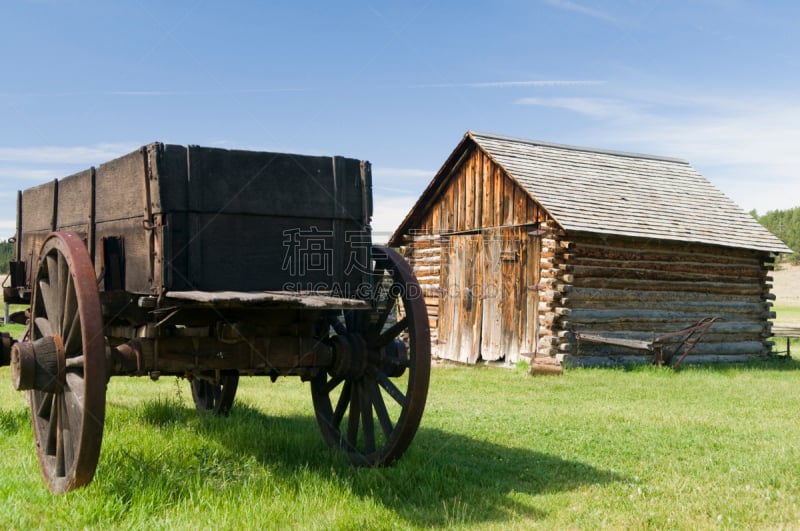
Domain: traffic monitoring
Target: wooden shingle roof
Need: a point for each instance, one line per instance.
(619, 193)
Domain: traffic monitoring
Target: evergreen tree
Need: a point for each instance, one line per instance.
(785, 224)
(6, 253)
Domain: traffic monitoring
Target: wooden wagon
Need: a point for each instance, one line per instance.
(209, 264)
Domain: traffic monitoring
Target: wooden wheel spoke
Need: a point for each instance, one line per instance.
(395, 330)
(391, 388)
(52, 427)
(341, 405)
(332, 384)
(76, 389)
(43, 326)
(391, 302)
(44, 408)
(73, 341)
(337, 325)
(73, 407)
(61, 469)
(380, 409)
(70, 307)
(353, 418)
(378, 272)
(49, 298)
(368, 426)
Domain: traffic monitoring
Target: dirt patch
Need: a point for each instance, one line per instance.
(786, 285)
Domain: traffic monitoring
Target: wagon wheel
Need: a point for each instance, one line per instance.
(212, 397)
(62, 364)
(371, 401)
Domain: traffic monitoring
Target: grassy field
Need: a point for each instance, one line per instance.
(14, 329)
(787, 313)
(498, 449)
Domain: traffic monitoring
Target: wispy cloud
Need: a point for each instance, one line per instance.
(383, 172)
(594, 107)
(33, 174)
(6, 225)
(516, 84)
(389, 213)
(95, 154)
(583, 10)
(396, 184)
(745, 145)
(220, 92)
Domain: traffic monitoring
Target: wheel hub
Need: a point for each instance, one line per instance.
(39, 364)
(349, 356)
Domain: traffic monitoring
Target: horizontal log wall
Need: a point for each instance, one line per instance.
(639, 289)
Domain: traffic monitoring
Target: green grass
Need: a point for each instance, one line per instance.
(644, 448)
(15, 330)
(787, 313)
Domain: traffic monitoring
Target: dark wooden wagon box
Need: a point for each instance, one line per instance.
(174, 218)
(209, 264)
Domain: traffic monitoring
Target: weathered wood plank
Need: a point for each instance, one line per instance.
(492, 322)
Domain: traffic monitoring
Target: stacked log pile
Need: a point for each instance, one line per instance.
(424, 254)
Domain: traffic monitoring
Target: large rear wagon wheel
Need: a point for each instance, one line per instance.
(371, 402)
(62, 364)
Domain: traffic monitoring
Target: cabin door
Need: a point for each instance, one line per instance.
(460, 306)
(510, 267)
(489, 304)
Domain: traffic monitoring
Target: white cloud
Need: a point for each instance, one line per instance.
(33, 174)
(7, 224)
(746, 146)
(86, 155)
(382, 172)
(760, 135)
(594, 107)
(583, 10)
(389, 212)
(512, 84)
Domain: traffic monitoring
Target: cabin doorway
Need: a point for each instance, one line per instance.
(488, 310)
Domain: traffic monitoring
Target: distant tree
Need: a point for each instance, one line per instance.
(6, 253)
(785, 224)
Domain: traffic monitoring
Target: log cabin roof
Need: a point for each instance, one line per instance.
(608, 192)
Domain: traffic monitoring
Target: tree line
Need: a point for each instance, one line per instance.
(6, 254)
(785, 224)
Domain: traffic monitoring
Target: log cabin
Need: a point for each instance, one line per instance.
(521, 246)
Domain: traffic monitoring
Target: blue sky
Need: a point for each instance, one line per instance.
(715, 82)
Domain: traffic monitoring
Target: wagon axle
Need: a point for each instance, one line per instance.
(42, 364)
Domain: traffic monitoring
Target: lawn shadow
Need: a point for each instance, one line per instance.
(443, 479)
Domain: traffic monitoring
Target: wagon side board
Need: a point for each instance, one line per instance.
(169, 217)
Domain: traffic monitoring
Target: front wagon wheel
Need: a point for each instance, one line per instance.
(62, 364)
(370, 403)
